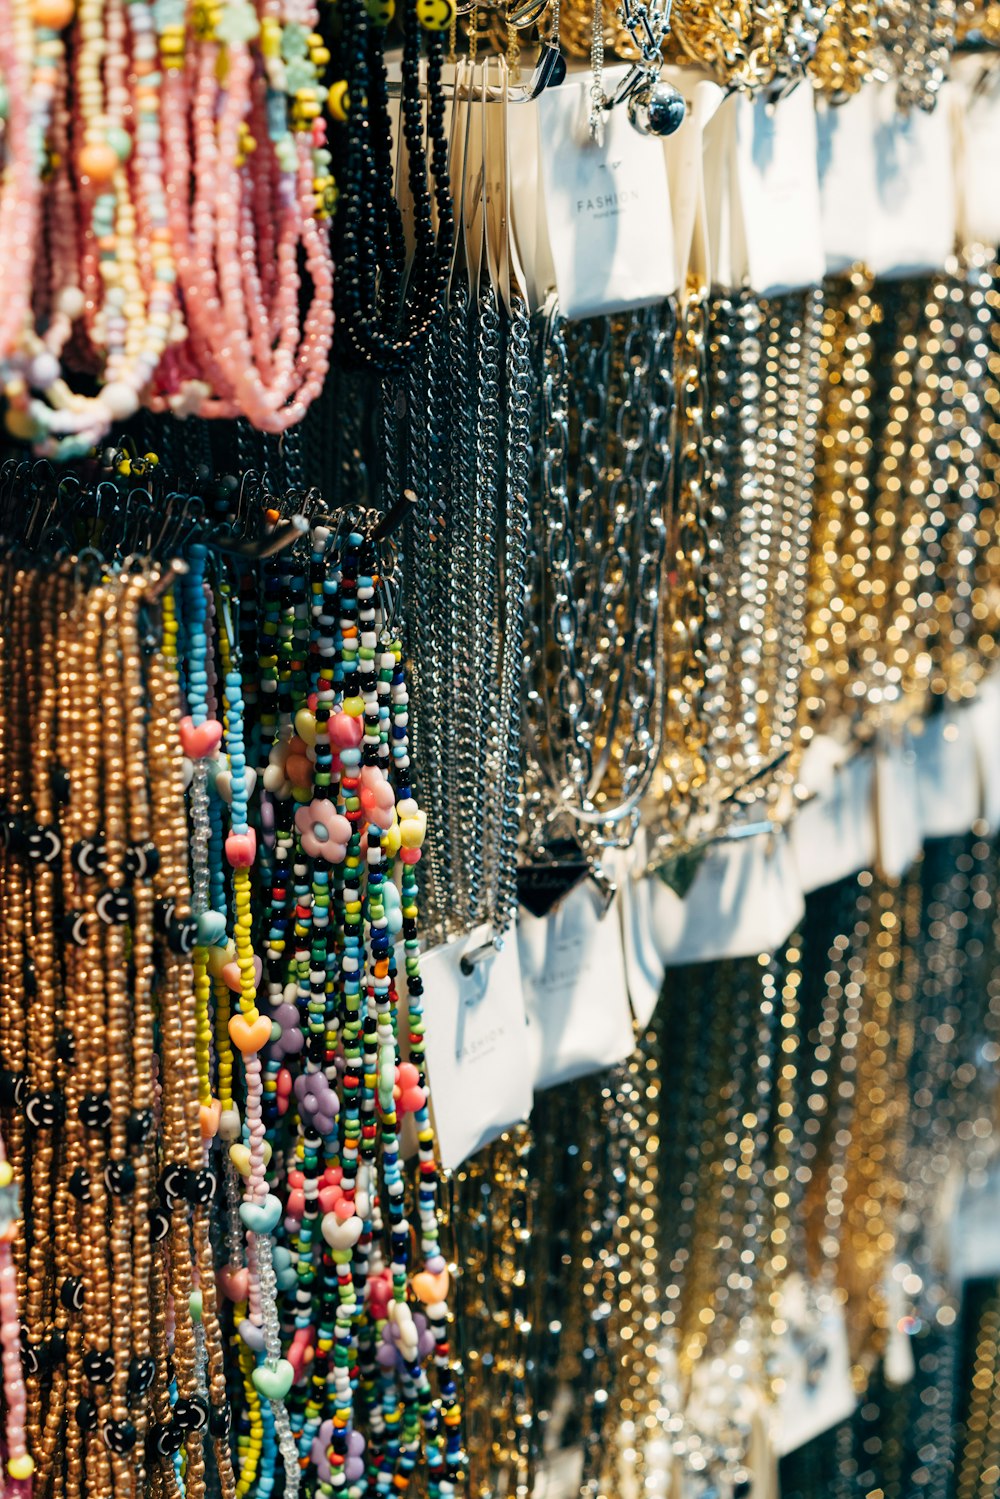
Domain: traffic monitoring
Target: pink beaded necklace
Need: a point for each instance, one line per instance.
(186, 186)
(241, 204)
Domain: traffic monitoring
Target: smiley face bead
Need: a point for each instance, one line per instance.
(337, 101)
(435, 15)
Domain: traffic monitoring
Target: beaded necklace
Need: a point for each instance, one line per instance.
(379, 322)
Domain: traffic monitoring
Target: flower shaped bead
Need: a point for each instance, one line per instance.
(378, 800)
(354, 1466)
(408, 1094)
(317, 1100)
(323, 831)
(398, 1341)
(238, 24)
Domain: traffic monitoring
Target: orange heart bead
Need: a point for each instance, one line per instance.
(430, 1288)
(249, 1036)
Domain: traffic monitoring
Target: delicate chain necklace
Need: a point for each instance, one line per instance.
(594, 648)
(468, 567)
(843, 463)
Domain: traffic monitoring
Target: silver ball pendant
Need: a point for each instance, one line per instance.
(658, 110)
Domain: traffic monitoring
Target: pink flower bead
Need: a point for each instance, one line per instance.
(324, 832)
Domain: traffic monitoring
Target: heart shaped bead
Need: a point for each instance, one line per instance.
(234, 1281)
(200, 741)
(211, 928)
(285, 1271)
(209, 1115)
(345, 732)
(241, 849)
(224, 784)
(430, 1288)
(305, 726)
(249, 1035)
(273, 1382)
(252, 1335)
(239, 1154)
(233, 980)
(261, 1217)
(219, 956)
(341, 1235)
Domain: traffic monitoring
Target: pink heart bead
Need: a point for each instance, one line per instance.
(234, 1282)
(344, 731)
(329, 1198)
(241, 849)
(201, 741)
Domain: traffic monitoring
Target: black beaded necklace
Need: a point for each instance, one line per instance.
(384, 316)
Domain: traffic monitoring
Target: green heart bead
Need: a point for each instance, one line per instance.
(274, 1383)
(261, 1217)
(211, 928)
(195, 1306)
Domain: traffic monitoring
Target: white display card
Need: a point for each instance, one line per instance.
(898, 822)
(813, 1361)
(476, 1045)
(762, 192)
(915, 219)
(745, 899)
(977, 88)
(845, 157)
(573, 972)
(950, 790)
(833, 834)
(607, 206)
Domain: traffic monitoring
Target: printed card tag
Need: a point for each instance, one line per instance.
(898, 823)
(573, 972)
(915, 220)
(685, 156)
(559, 1475)
(525, 198)
(978, 139)
(643, 968)
(833, 834)
(745, 899)
(607, 207)
(845, 155)
(975, 1240)
(476, 1045)
(813, 1361)
(948, 772)
(984, 714)
(765, 194)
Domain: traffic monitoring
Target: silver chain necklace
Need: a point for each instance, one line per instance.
(594, 678)
(466, 566)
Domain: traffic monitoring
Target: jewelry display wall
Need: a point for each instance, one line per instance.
(499, 789)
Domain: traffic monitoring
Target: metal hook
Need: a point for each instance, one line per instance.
(250, 474)
(255, 551)
(394, 517)
(469, 960)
